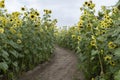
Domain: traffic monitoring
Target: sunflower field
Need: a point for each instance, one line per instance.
(96, 41)
(26, 40)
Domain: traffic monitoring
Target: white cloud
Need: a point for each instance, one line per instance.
(12, 5)
(66, 11)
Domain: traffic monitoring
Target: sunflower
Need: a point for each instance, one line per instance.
(23, 8)
(37, 14)
(85, 12)
(91, 1)
(115, 10)
(110, 21)
(11, 20)
(2, 1)
(73, 36)
(92, 5)
(89, 26)
(47, 11)
(78, 38)
(1, 30)
(93, 37)
(107, 58)
(36, 25)
(16, 14)
(89, 4)
(12, 30)
(19, 41)
(80, 24)
(111, 45)
(93, 43)
(14, 26)
(92, 78)
(102, 32)
(19, 35)
(18, 22)
(2, 5)
(86, 3)
(32, 16)
(112, 63)
(50, 11)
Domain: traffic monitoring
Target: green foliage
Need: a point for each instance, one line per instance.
(117, 75)
(98, 48)
(26, 40)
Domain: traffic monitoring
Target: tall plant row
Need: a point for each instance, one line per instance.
(96, 41)
(26, 40)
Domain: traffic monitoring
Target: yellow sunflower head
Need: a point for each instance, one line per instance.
(107, 58)
(111, 45)
(93, 43)
(32, 16)
(78, 38)
(73, 36)
(1, 30)
(2, 4)
(19, 41)
(112, 63)
(23, 8)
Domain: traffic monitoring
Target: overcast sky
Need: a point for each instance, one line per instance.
(66, 11)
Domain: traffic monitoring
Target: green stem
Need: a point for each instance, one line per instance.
(101, 65)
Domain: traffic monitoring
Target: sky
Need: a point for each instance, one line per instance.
(67, 12)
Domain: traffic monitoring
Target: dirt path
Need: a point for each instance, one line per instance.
(62, 67)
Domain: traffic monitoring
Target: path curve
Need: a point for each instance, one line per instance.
(62, 67)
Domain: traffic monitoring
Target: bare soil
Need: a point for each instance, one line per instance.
(62, 67)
